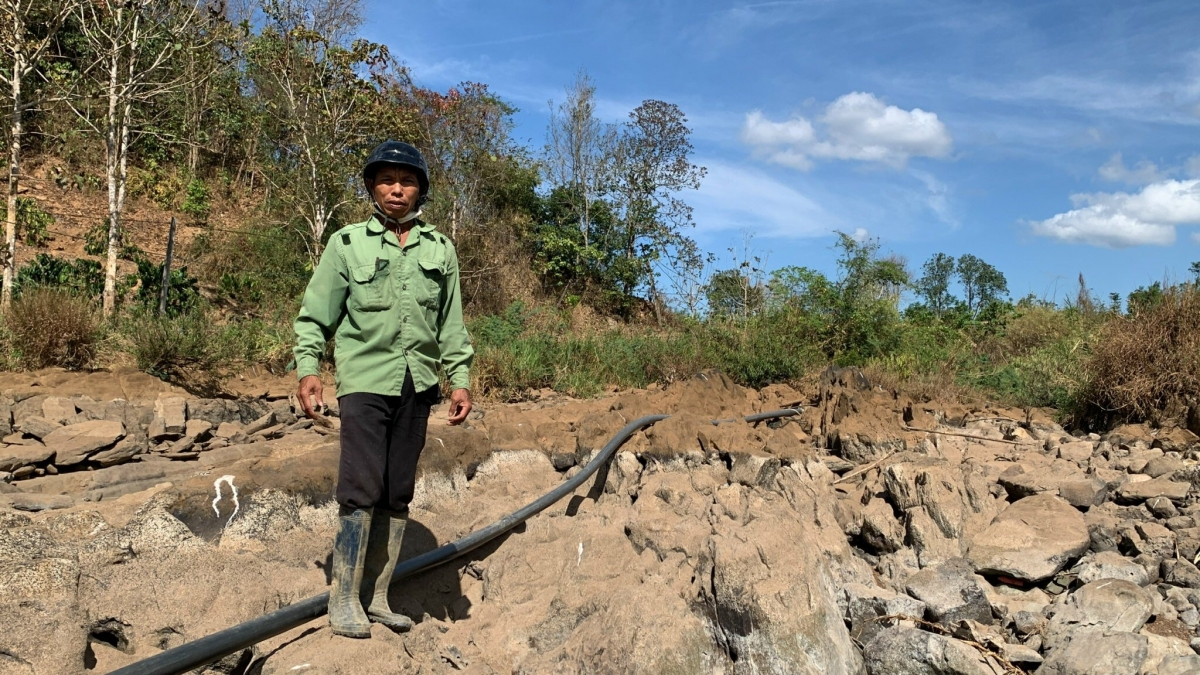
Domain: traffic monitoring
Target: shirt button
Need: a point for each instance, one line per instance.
(404, 287)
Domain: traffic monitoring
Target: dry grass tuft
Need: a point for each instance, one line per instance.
(53, 327)
(1147, 367)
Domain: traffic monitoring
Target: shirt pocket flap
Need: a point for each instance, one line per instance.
(364, 273)
(437, 266)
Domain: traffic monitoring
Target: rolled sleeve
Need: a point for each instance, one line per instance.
(453, 340)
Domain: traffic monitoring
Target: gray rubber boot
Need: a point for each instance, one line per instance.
(387, 530)
(346, 615)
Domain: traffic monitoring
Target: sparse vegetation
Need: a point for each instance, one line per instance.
(53, 327)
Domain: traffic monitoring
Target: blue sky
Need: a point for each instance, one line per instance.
(1049, 138)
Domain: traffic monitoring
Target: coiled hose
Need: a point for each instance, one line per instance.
(210, 648)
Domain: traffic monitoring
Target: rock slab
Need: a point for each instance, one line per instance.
(74, 443)
(1032, 540)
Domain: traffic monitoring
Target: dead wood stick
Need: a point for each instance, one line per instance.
(962, 435)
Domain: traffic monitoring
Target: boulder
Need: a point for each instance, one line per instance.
(126, 449)
(1109, 605)
(227, 429)
(260, 424)
(33, 501)
(1083, 493)
(951, 592)
(38, 427)
(13, 457)
(173, 412)
(1161, 466)
(1110, 565)
(58, 409)
(198, 430)
(880, 531)
(1136, 492)
(1094, 652)
(1180, 573)
(909, 651)
(1032, 540)
(1179, 665)
(866, 604)
(75, 443)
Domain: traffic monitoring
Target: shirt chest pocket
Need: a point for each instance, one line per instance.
(429, 291)
(371, 289)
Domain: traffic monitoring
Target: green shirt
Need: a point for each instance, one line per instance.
(388, 309)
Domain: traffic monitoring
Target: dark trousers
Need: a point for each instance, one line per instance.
(382, 439)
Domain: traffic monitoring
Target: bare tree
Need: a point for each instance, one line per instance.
(27, 28)
(578, 155)
(133, 41)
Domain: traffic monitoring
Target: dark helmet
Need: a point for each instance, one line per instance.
(400, 154)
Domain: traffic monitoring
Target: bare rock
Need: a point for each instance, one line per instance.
(1179, 665)
(1161, 466)
(1135, 492)
(1110, 605)
(13, 457)
(755, 470)
(227, 429)
(198, 430)
(1110, 565)
(1180, 573)
(75, 443)
(173, 412)
(880, 530)
(1078, 452)
(58, 409)
(1032, 540)
(1083, 493)
(264, 422)
(6, 419)
(1094, 652)
(125, 450)
(908, 651)
(34, 501)
(865, 605)
(951, 592)
(38, 427)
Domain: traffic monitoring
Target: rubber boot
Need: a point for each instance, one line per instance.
(346, 615)
(387, 530)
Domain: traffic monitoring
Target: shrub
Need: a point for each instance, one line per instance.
(185, 349)
(53, 327)
(196, 204)
(1147, 366)
(33, 224)
(82, 276)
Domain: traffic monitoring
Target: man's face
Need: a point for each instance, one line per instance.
(396, 189)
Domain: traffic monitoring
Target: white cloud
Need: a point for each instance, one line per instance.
(860, 234)
(1120, 219)
(857, 126)
(1143, 173)
(733, 197)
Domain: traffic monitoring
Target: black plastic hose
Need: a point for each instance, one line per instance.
(210, 648)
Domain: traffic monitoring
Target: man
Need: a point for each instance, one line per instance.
(387, 291)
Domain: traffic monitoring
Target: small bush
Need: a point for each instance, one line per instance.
(53, 327)
(33, 224)
(1147, 366)
(197, 203)
(185, 349)
(83, 277)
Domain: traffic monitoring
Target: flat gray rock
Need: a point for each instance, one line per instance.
(951, 592)
(1109, 605)
(75, 443)
(909, 651)
(125, 449)
(1093, 652)
(1155, 487)
(866, 604)
(1032, 540)
(58, 409)
(173, 412)
(1110, 565)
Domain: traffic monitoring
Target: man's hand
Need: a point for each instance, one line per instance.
(310, 394)
(460, 406)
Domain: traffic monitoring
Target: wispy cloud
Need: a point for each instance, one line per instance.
(857, 126)
(735, 197)
(1142, 173)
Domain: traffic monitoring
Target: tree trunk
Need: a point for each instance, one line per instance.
(111, 159)
(10, 220)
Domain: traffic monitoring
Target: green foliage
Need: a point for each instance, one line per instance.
(183, 349)
(197, 203)
(183, 292)
(982, 283)
(1145, 298)
(934, 285)
(33, 223)
(731, 293)
(82, 276)
(95, 240)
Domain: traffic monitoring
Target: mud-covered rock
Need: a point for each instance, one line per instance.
(1033, 539)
